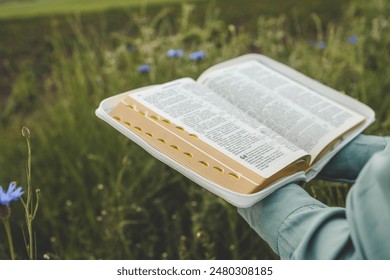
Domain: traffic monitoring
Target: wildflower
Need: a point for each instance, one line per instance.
(144, 68)
(195, 56)
(7, 197)
(317, 44)
(174, 53)
(353, 39)
(321, 44)
(5, 212)
(11, 194)
(25, 131)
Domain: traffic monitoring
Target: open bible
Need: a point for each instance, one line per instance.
(244, 128)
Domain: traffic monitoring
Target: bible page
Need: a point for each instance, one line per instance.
(290, 109)
(216, 122)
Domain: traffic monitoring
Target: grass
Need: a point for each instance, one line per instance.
(103, 197)
(29, 8)
(25, 40)
(34, 8)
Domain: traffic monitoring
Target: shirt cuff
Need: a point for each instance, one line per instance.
(268, 215)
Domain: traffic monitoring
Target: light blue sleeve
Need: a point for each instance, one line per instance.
(297, 226)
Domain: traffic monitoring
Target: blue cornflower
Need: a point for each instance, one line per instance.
(174, 53)
(353, 39)
(195, 56)
(143, 69)
(321, 45)
(11, 194)
(317, 44)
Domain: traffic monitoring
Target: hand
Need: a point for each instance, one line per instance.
(346, 165)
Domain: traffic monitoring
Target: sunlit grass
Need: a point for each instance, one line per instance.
(21, 9)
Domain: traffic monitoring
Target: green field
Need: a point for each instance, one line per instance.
(27, 8)
(102, 196)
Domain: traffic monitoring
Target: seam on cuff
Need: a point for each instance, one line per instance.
(292, 212)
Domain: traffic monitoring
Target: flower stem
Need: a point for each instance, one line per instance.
(29, 206)
(9, 237)
(29, 203)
